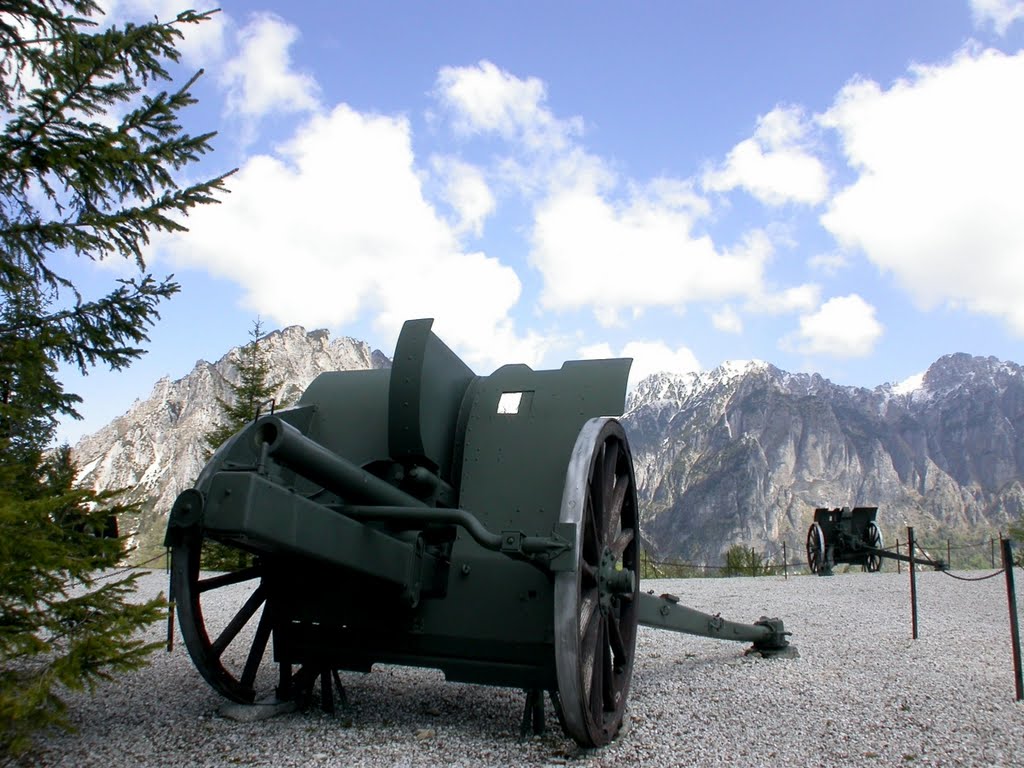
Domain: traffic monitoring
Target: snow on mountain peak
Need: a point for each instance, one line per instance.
(909, 385)
(733, 368)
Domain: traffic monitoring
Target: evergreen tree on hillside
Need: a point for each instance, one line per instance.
(249, 397)
(1016, 533)
(88, 156)
(744, 561)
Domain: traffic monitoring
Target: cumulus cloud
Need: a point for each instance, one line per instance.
(797, 298)
(828, 263)
(937, 200)
(842, 327)
(260, 78)
(335, 226)
(339, 223)
(609, 244)
(648, 357)
(596, 252)
(727, 320)
(999, 13)
(775, 165)
(467, 192)
(485, 99)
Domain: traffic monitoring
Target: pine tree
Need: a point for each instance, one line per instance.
(249, 397)
(1016, 533)
(88, 158)
(744, 561)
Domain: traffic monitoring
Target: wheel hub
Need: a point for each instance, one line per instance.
(612, 580)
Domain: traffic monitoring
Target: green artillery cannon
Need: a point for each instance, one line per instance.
(844, 536)
(486, 526)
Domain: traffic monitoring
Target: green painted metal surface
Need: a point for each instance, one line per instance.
(466, 473)
(486, 526)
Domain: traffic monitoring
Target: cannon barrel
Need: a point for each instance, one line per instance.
(307, 458)
(367, 497)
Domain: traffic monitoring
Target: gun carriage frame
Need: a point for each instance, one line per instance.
(845, 536)
(486, 526)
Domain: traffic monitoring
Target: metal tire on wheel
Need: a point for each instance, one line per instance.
(219, 660)
(596, 602)
(873, 538)
(815, 548)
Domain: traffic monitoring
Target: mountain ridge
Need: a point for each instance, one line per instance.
(738, 454)
(157, 447)
(747, 464)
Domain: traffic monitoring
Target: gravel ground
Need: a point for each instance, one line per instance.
(862, 693)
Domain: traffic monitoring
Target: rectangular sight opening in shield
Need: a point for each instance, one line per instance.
(509, 402)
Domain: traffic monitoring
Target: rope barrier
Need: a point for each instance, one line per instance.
(128, 568)
(979, 578)
(956, 547)
(659, 565)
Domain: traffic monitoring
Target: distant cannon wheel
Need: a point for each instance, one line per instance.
(873, 538)
(596, 603)
(231, 660)
(815, 548)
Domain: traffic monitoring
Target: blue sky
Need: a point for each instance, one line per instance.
(832, 187)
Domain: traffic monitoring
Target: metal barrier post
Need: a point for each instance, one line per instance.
(1011, 597)
(785, 562)
(913, 582)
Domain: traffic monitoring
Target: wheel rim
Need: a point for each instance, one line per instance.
(596, 603)
(815, 547)
(873, 538)
(231, 661)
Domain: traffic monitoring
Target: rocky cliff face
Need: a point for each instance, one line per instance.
(738, 455)
(157, 448)
(743, 454)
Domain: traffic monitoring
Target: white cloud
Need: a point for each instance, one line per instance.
(486, 99)
(844, 326)
(648, 357)
(775, 165)
(937, 202)
(727, 320)
(828, 263)
(260, 79)
(797, 298)
(611, 245)
(999, 13)
(334, 226)
(466, 191)
(594, 252)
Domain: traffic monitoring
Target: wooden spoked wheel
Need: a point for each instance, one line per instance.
(815, 548)
(228, 651)
(873, 538)
(596, 603)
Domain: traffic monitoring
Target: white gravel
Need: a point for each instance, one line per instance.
(862, 693)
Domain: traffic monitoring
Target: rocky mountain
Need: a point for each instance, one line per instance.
(157, 448)
(741, 454)
(744, 453)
